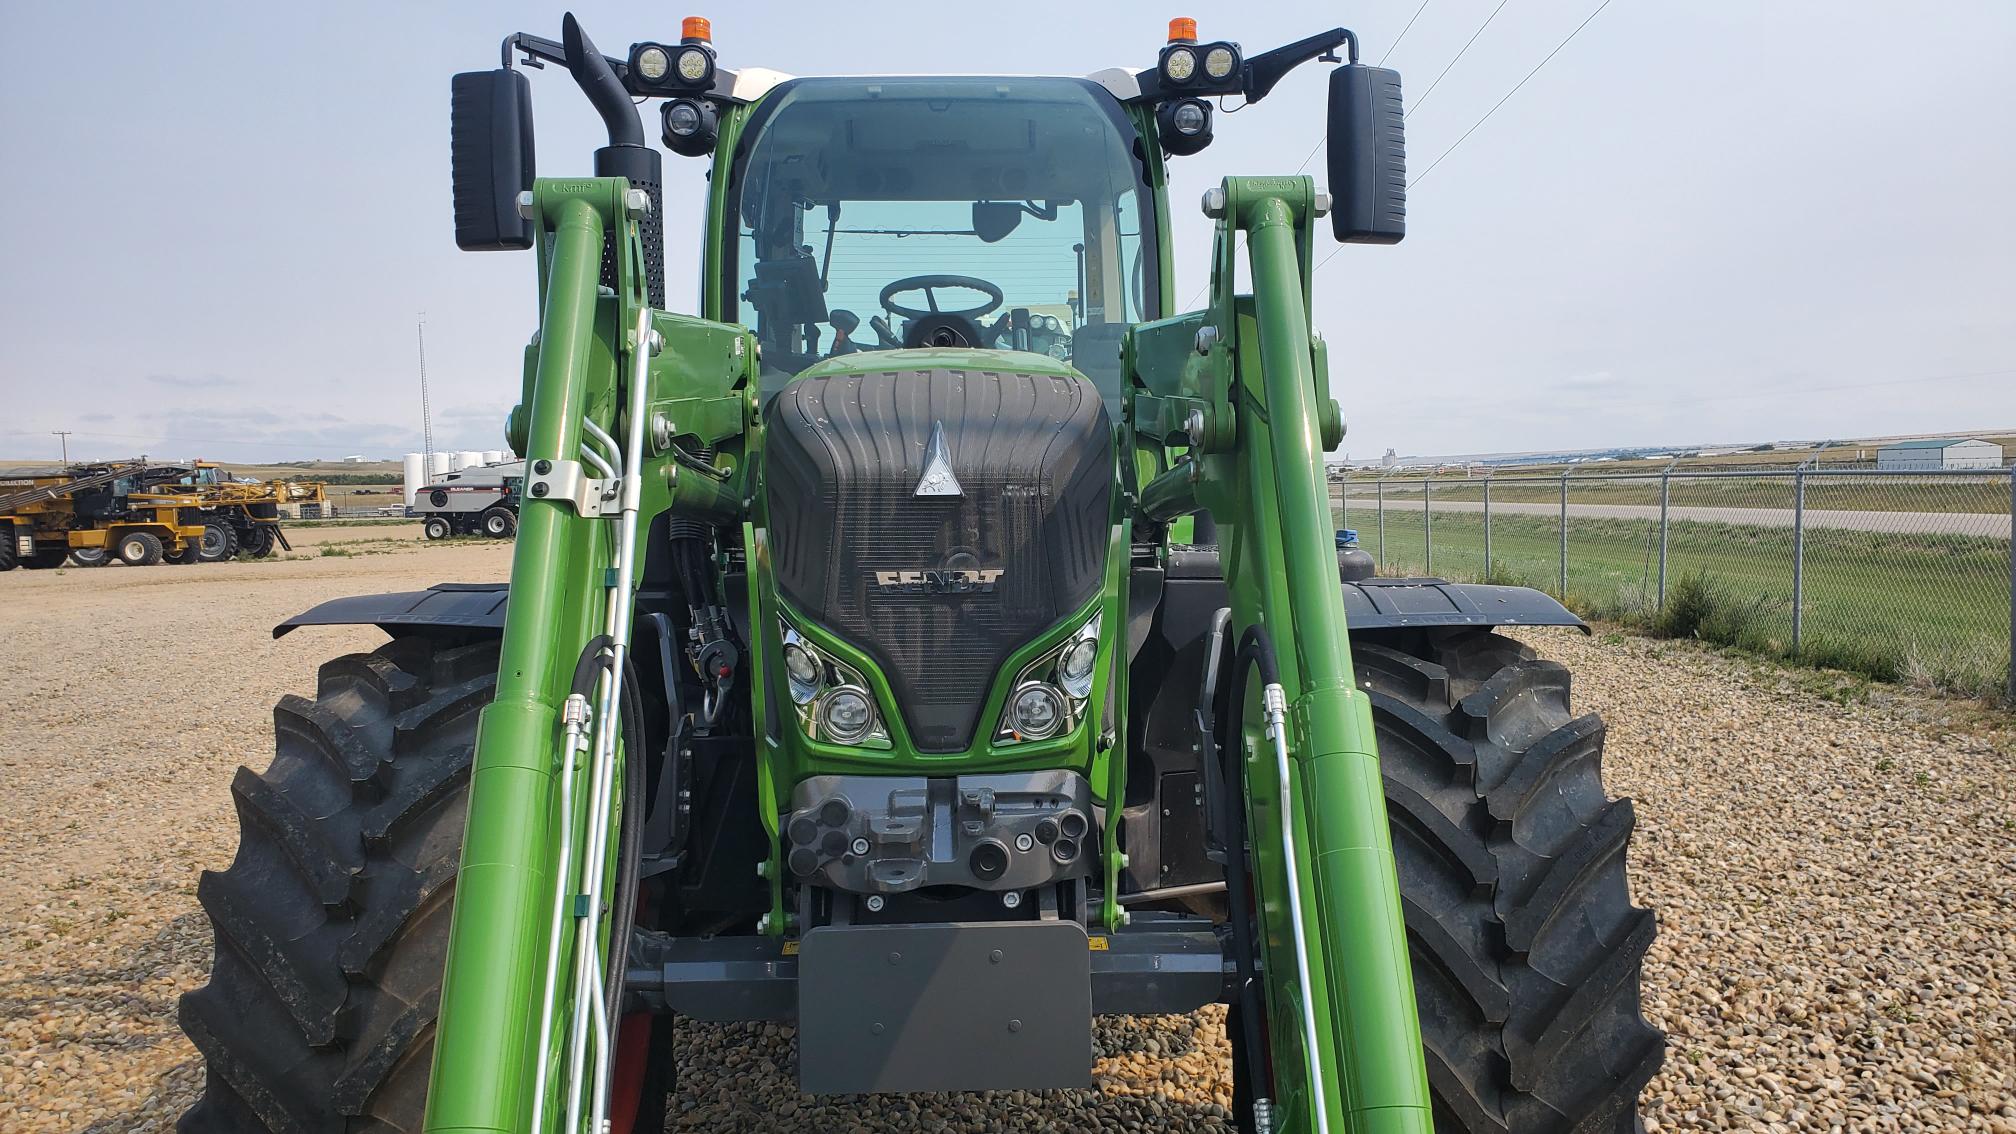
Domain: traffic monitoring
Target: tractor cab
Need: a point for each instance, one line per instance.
(975, 213)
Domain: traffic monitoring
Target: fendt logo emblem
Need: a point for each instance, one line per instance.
(940, 580)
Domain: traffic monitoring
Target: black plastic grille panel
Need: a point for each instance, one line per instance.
(1034, 458)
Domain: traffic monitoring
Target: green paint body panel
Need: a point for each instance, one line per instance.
(1262, 414)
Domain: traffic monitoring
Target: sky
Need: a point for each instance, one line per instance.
(1714, 221)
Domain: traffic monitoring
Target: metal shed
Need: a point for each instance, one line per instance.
(1943, 453)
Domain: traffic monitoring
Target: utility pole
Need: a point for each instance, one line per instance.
(65, 435)
(426, 416)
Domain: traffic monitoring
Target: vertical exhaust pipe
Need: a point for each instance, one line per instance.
(627, 155)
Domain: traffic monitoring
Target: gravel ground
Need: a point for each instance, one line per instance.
(1834, 869)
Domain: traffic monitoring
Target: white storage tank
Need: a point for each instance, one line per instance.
(471, 458)
(493, 456)
(414, 475)
(437, 466)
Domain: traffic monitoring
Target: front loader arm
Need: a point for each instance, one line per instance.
(542, 812)
(1233, 403)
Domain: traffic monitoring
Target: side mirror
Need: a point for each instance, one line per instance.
(1368, 155)
(994, 220)
(490, 138)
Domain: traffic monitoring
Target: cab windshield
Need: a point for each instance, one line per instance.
(966, 212)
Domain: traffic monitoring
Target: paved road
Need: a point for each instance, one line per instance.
(1907, 523)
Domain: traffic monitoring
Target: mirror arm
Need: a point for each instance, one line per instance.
(1270, 67)
(539, 51)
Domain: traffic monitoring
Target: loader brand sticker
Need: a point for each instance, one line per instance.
(939, 580)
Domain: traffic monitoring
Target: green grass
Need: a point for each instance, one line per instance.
(1932, 610)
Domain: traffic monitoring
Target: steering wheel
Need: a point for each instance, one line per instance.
(929, 284)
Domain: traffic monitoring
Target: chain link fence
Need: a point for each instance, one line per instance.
(1900, 575)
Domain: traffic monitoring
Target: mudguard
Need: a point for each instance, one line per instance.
(1370, 604)
(468, 606)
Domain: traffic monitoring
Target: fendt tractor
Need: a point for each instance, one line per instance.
(881, 658)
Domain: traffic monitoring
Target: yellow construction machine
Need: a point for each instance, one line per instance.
(143, 512)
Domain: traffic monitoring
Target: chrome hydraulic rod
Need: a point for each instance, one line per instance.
(594, 863)
(1276, 701)
(573, 719)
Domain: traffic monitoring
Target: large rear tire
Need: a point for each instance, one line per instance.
(332, 922)
(1526, 948)
(220, 542)
(7, 547)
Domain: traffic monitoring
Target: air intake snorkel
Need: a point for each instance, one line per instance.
(627, 155)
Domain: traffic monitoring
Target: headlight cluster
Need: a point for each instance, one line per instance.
(1209, 68)
(684, 69)
(1050, 694)
(832, 699)
(659, 68)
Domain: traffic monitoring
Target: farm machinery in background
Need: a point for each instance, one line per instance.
(474, 500)
(142, 512)
(918, 671)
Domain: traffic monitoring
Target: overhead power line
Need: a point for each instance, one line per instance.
(1382, 62)
(1487, 114)
(1459, 58)
(1510, 93)
(1403, 33)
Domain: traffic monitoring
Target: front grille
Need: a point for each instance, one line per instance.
(1034, 457)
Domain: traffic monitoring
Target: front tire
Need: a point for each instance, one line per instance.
(1527, 951)
(332, 922)
(139, 549)
(499, 523)
(437, 527)
(90, 556)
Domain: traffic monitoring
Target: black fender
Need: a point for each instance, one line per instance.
(460, 606)
(1385, 604)
(1165, 811)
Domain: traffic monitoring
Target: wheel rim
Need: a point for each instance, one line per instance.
(213, 542)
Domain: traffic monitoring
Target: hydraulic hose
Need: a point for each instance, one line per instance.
(1255, 648)
(630, 844)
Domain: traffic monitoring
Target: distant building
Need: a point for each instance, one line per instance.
(1952, 453)
(1389, 460)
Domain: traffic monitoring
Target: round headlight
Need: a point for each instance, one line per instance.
(803, 670)
(1219, 61)
(653, 64)
(847, 714)
(1179, 65)
(1038, 711)
(682, 118)
(1190, 118)
(694, 64)
(1075, 667)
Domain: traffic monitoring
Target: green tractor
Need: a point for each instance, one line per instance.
(937, 641)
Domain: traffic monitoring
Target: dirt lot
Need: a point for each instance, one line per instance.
(1834, 871)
